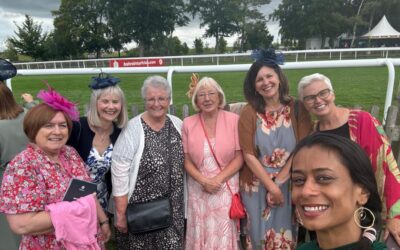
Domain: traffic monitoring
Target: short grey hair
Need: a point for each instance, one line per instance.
(307, 80)
(157, 82)
(208, 82)
(93, 114)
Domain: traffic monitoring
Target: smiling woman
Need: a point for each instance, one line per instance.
(37, 179)
(147, 165)
(335, 193)
(94, 136)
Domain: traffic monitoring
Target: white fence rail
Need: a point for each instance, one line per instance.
(388, 62)
(218, 59)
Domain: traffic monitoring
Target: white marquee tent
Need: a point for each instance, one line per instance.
(382, 30)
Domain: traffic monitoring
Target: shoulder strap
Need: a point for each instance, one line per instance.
(211, 149)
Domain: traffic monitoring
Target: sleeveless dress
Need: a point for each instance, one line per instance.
(208, 224)
(97, 166)
(267, 227)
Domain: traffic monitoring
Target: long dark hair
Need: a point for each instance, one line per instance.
(353, 157)
(249, 86)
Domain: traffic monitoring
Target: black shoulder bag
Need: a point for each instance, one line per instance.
(153, 215)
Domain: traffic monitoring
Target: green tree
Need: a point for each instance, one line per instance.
(84, 24)
(185, 49)
(249, 14)
(222, 45)
(29, 38)
(198, 46)
(10, 52)
(220, 17)
(257, 36)
(301, 19)
(120, 31)
(149, 20)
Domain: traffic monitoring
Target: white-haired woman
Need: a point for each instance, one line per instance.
(147, 165)
(94, 136)
(319, 98)
(213, 176)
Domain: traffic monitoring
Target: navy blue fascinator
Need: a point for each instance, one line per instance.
(103, 81)
(268, 56)
(7, 70)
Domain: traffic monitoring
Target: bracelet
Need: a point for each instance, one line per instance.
(104, 222)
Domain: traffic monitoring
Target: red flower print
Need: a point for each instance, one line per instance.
(277, 159)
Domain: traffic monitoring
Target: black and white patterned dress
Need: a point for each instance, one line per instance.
(153, 182)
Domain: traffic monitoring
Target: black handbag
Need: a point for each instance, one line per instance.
(149, 216)
(153, 215)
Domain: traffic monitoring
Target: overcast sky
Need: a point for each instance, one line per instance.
(13, 11)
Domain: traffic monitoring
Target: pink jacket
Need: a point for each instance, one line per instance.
(226, 141)
(75, 223)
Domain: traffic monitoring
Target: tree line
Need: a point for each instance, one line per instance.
(97, 26)
(328, 19)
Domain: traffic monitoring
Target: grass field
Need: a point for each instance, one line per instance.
(353, 86)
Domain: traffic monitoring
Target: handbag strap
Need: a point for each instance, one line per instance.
(169, 157)
(212, 151)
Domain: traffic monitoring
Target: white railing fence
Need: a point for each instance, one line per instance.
(388, 62)
(220, 59)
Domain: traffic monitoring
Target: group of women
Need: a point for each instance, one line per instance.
(337, 177)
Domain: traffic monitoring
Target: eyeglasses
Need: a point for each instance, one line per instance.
(160, 100)
(323, 94)
(203, 95)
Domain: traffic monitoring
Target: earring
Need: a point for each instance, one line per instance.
(298, 218)
(361, 214)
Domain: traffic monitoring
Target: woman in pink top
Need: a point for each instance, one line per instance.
(209, 198)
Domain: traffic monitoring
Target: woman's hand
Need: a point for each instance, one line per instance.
(211, 185)
(106, 231)
(27, 97)
(274, 197)
(393, 227)
(121, 223)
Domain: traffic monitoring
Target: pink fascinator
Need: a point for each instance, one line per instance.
(59, 102)
(194, 79)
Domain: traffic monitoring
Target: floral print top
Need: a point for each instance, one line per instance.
(32, 181)
(98, 166)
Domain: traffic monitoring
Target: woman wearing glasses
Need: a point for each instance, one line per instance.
(318, 96)
(147, 164)
(212, 161)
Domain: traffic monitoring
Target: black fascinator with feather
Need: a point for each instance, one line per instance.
(268, 56)
(103, 81)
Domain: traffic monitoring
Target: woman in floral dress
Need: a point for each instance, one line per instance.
(269, 127)
(209, 196)
(39, 176)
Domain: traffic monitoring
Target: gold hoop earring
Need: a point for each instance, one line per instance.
(298, 218)
(361, 214)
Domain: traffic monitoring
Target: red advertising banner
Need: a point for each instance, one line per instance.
(154, 62)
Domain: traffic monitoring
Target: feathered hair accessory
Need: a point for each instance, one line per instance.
(58, 102)
(268, 56)
(103, 81)
(194, 79)
(7, 70)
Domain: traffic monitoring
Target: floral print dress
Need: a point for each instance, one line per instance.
(267, 227)
(98, 166)
(33, 181)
